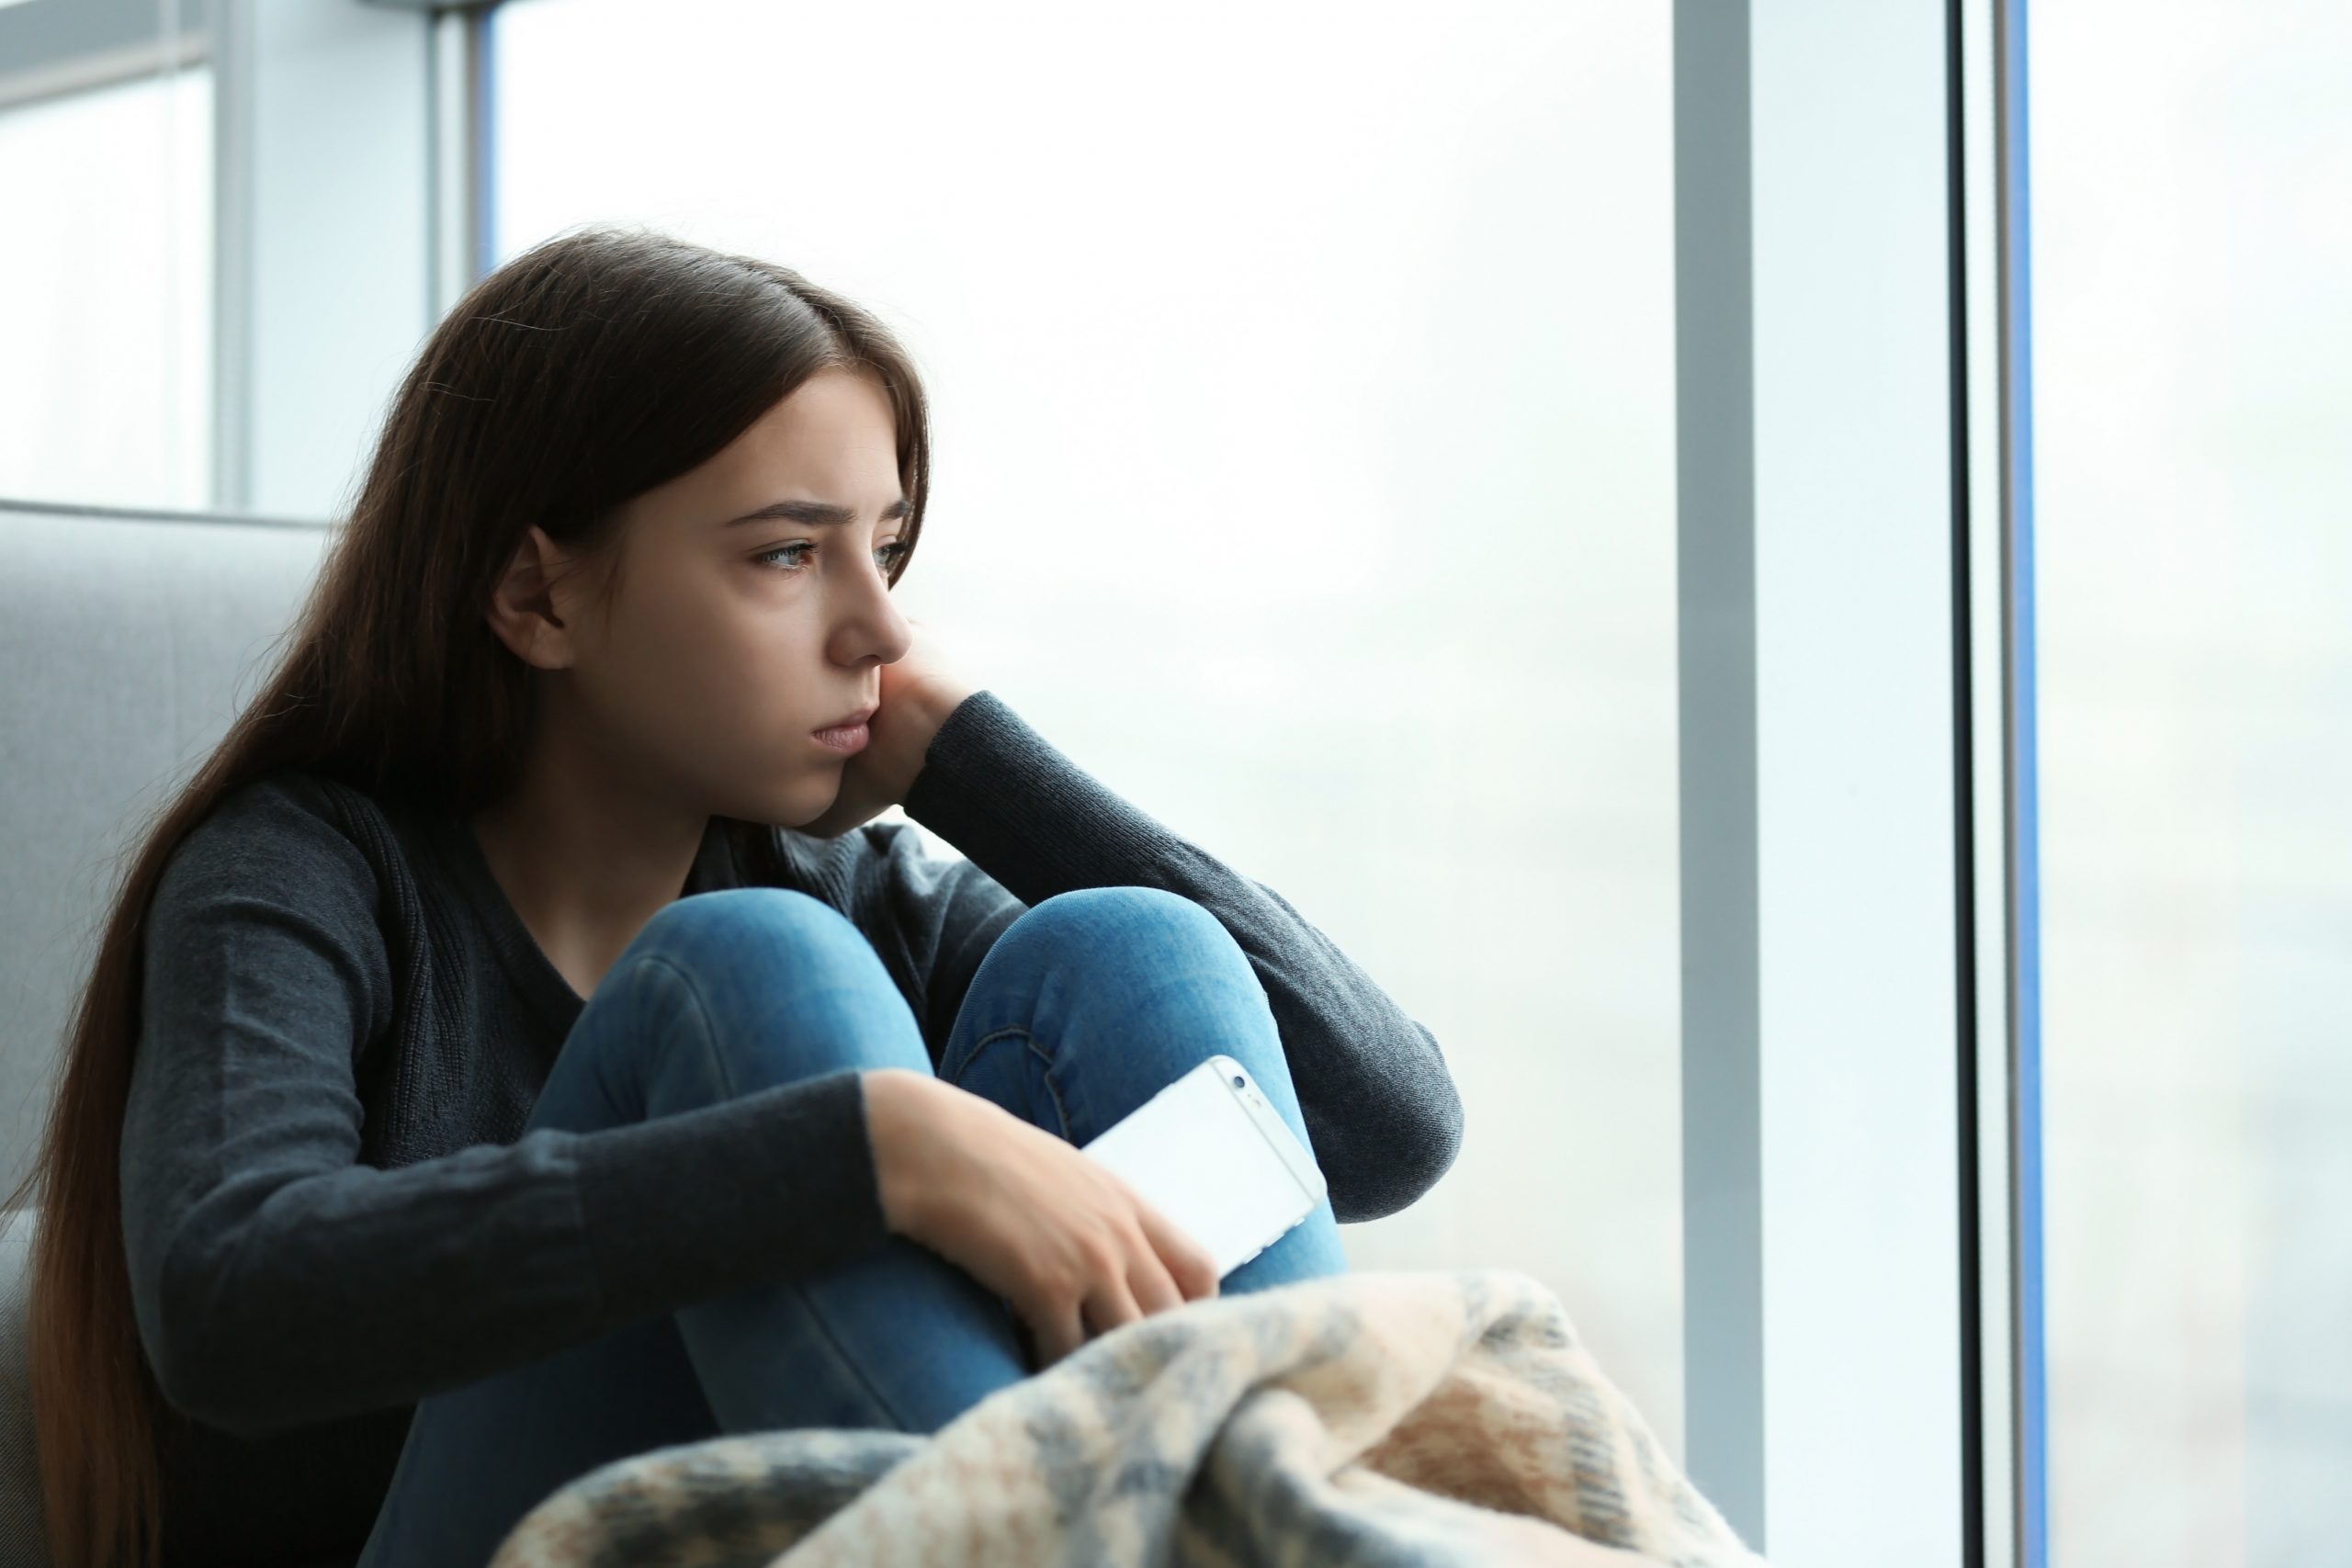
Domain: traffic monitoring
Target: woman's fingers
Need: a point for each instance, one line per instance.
(1121, 1290)
(1056, 1327)
(1070, 1248)
(1111, 1305)
(1154, 1289)
(1184, 1262)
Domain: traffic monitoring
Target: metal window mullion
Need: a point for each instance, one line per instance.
(323, 275)
(1828, 724)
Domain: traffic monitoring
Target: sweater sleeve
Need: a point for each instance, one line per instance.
(1373, 1084)
(276, 1280)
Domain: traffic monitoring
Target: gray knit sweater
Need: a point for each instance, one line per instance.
(328, 1205)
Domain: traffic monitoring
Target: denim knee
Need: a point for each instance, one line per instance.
(748, 954)
(1146, 931)
(779, 929)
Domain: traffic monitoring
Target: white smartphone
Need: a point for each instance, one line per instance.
(1212, 1153)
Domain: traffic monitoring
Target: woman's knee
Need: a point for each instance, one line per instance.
(1151, 926)
(756, 962)
(778, 934)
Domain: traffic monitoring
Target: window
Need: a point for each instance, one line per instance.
(107, 343)
(2193, 476)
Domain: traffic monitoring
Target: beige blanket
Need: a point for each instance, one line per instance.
(1375, 1418)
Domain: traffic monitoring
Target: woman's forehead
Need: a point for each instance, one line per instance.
(834, 444)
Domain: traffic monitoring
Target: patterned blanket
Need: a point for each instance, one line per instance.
(1371, 1419)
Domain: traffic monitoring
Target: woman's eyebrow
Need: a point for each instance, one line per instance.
(814, 513)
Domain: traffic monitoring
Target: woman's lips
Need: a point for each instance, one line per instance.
(849, 737)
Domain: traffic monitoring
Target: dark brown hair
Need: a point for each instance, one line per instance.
(580, 373)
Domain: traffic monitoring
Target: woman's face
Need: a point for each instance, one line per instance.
(734, 635)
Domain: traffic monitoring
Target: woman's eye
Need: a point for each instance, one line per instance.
(889, 552)
(769, 558)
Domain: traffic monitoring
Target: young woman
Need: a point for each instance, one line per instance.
(516, 1048)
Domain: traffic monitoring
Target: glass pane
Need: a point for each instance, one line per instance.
(1304, 402)
(108, 269)
(2192, 228)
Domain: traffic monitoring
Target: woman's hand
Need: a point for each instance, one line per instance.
(1060, 1235)
(918, 693)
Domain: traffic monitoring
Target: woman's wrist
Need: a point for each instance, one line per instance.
(898, 1108)
(934, 703)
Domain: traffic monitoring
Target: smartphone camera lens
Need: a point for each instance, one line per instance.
(1239, 1082)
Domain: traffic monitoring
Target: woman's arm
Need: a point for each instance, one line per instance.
(276, 1280)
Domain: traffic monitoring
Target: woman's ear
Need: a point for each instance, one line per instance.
(523, 609)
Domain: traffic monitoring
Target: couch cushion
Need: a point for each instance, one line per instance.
(128, 643)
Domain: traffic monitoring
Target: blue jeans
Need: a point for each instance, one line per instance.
(1086, 1006)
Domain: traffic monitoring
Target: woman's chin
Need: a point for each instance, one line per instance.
(804, 820)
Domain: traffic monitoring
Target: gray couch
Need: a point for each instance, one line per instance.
(128, 642)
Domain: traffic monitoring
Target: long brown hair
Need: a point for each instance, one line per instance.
(579, 375)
